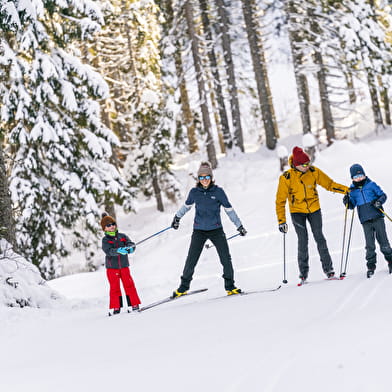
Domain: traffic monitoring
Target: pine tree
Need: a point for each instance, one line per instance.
(51, 118)
(260, 68)
(201, 82)
(147, 166)
(367, 46)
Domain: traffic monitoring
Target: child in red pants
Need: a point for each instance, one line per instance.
(117, 246)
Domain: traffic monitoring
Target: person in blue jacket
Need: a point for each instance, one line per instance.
(368, 197)
(208, 199)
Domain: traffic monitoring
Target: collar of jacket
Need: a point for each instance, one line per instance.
(201, 188)
(360, 184)
(111, 233)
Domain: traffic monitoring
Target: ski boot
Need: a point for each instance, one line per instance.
(114, 312)
(330, 274)
(370, 273)
(177, 294)
(234, 291)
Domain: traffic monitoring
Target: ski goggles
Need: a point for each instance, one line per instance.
(204, 178)
(358, 176)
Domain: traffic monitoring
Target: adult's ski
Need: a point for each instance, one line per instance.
(258, 291)
(249, 292)
(303, 282)
(169, 299)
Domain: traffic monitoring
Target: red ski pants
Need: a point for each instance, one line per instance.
(114, 277)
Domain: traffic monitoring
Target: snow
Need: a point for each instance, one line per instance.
(325, 336)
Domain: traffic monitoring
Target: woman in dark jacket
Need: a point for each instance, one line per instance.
(117, 246)
(208, 198)
(368, 197)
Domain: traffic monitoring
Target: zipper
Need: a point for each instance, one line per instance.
(363, 196)
(119, 256)
(307, 205)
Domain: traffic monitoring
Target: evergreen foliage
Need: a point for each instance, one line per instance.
(51, 120)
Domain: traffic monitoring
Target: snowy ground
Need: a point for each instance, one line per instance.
(325, 336)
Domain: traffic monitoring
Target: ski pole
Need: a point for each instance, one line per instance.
(284, 258)
(153, 235)
(208, 246)
(343, 274)
(385, 214)
(344, 240)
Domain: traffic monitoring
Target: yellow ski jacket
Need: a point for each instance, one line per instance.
(300, 189)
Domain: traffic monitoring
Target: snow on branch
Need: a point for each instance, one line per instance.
(20, 281)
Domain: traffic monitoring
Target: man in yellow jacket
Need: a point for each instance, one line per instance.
(298, 185)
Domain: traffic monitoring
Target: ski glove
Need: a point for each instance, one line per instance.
(242, 230)
(346, 199)
(130, 249)
(283, 228)
(176, 222)
(122, 251)
(377, 204)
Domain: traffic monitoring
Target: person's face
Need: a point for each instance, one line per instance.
(304, 167)
(358, 178)
(205, 180)
(110, 226)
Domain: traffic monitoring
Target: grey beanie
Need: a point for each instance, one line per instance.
(205, 168)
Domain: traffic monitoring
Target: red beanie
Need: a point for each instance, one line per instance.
(300, 156)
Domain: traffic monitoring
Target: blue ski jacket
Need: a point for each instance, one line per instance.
(208, 202)
(363, 198)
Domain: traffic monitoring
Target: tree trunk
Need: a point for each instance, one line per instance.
(300, 78)
(326, 111)
(157, 189)
(385, 101)
(229, 65)
(211, 153)
(7, 223)
(185, 106)
(374, 99)
(224, 122)
(187, 117)
(260, 69)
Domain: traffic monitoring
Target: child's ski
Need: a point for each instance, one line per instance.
(169, 299)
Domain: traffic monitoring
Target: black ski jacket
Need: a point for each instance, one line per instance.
(110, 244)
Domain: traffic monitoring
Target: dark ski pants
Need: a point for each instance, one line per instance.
(315, 220)
(375, 229)
(114, 276)
(218, 238)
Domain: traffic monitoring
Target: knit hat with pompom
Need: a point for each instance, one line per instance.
(106, 220)
(205, 168)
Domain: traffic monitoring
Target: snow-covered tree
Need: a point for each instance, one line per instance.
(50, 116)
(367, 45)
(21, 283)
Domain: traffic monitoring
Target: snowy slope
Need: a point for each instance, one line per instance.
(325, 336)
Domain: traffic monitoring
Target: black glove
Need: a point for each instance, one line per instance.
(176, 222)
(242, 230)
(283, 228)
(346, 199)
(377, 204)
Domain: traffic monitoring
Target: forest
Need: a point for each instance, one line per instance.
(97, 98)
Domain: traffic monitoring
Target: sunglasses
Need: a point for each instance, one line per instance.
(111, 224)
(358, 176)
(204, 178)
(306, 164)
